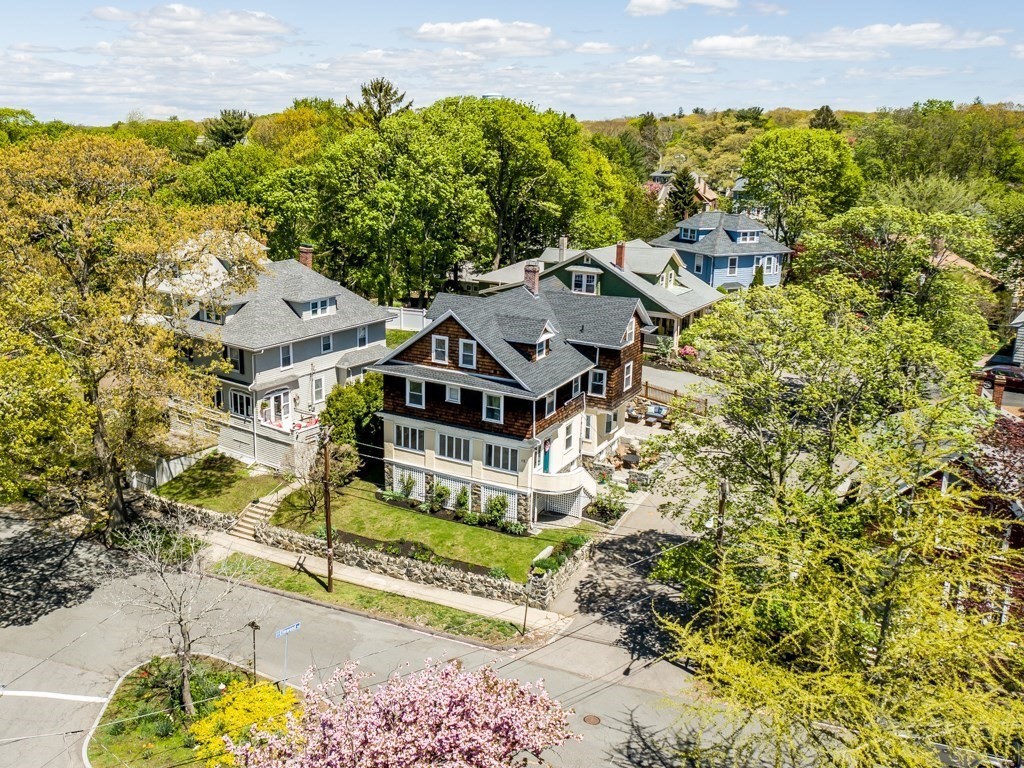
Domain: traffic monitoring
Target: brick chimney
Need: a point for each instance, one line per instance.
(531, 277)
(998, 387)
(620, 255)
(306, 255)
(563, 243)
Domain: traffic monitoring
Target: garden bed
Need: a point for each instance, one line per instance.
(219, 483)
(148, 723)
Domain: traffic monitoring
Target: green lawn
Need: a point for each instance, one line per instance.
(149, 736)
(405, 609)
(396, 337)
(355, 510)
(219, 483)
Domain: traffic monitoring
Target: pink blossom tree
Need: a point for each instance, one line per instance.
(441, 715)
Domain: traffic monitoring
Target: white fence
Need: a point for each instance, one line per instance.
(407, 318)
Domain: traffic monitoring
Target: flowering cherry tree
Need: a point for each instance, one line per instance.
(441, 715)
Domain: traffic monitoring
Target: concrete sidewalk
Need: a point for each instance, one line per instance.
(224, 544)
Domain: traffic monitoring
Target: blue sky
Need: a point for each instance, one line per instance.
(92, 63)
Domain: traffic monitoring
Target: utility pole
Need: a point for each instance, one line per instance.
(253, 626)
(327, 506)
(723, 498)
(526, 604)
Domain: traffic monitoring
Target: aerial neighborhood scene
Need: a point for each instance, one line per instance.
(494, 384)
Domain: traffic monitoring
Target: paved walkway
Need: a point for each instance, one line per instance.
(547, 621)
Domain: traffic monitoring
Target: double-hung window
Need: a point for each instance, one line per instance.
(770, 265)
(408, 438)
(549, 404)
(452, 394)
(286, 356)
(361, 333)
(241, 404)
(568, 436)
(577, 385)
(631, 331)
(494, 408)
(317, 308)
(627, 377)
(611, 422)
(467, 353)
(234, 356)
(542, 349)
(584, 283)
(414, 393)
(734, 263)
(318, 389)
(326, 344)
(598, 382)
(588, 428)
(501, 458)
(698, 264)
(454, 448)
(439, 349)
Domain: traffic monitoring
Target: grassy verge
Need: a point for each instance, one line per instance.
(219, 483)
(383, 604)
(396, 337)
(356, 510)
(141, 731)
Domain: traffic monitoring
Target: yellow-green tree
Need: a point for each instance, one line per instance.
(90, 255)
(241, 709)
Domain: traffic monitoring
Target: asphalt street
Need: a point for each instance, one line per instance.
(64, 643)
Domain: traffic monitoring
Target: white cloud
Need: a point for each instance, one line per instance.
(1018, 51)
(596, 48)
(660, 7)
(840, 43)
(770, 9)
(493, 36)
(896, 73)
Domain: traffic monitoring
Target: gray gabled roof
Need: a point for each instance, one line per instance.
(266, 317)
(718, 242)
(1018, 321)
(640, 257)
(500, 320)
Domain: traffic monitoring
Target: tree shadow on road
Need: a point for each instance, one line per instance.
(41, 571)
(616, 587)
(683, 746)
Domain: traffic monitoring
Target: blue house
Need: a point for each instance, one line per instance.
(725, 249)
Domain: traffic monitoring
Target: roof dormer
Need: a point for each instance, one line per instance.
(320, 308)
(747, 236)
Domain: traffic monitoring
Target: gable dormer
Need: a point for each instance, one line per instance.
(746, 236)
(692, 234)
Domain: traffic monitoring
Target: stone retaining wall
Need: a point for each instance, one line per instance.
(197, 516)
(542, 590)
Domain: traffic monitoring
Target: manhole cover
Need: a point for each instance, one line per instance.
(592, 720)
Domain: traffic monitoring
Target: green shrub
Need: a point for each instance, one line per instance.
(471, 518)
(495, 509)
(512, 526)
(408, 483)
(547, 564)
(462, 501)
(608, 507)
(164, 727)
(392, 496)
(576, 541)
(498, 573)
(440, 498)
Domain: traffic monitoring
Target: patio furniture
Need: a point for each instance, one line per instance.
(632, 414)
(630, 460)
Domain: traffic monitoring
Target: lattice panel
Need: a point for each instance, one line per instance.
(511, 512)
(418, 490)
(454, 486)
(570, 504)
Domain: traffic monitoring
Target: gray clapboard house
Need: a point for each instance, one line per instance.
(289, 340)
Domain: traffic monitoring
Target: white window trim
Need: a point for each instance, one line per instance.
(402, 429)
(319, 307)
(588, 281)
(448, 390)
(550, 404)
(323, 389)
(541, 349)
(236, 361)
(604, 382)
(501, 409)
(588, 428)
(433, 349)
(469, 448)
(244, 396)
(467, 344)
(502, 450)
(362, 336)
(291, 356)
(732, 266)
(631, 331)
(330, 343)
(627, 376)
(423, 393)
(577, 385)
(568, 436)
(698, 264)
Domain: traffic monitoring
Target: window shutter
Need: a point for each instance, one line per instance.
(241, 362)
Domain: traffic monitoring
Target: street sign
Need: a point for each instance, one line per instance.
(287, 630)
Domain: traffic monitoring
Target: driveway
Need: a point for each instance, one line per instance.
(64, 644)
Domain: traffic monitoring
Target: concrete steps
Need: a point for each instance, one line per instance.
(251, 517)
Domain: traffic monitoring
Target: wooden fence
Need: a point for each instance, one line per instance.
(668, 396)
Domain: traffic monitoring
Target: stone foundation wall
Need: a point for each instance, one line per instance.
(197, 516)
(542, 590)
